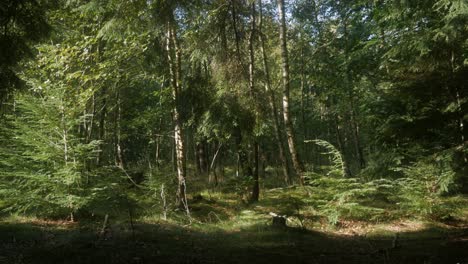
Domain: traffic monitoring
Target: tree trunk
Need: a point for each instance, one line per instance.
(157, 151)
(213, 165)
(256, 187)
(356, 137)
(272, 101)
(201, 155)
(64, 132)
(174, 59)
(102, 122)
(236, 35)
(349, 88)
(460, 111)
(197, 158)
(103, 111)
(243, 167)
(303, 106)
(118, 143)
(298, 167)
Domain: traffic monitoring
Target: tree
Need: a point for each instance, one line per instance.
(272, 99)
(22, 23)
(174, 58)
(298, 166)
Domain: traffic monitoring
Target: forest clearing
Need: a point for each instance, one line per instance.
(233, 131)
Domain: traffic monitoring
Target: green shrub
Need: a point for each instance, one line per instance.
(382, 199)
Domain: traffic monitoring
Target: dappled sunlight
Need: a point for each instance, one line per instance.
(233, 131)
(205, 243)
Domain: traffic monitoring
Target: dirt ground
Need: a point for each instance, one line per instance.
(61, 242)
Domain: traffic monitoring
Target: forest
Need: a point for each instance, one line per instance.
(231, 131)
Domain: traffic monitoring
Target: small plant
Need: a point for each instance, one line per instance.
(338, 165)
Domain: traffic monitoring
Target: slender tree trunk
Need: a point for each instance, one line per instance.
(102, 123)
(356, 137)
(118, 144)
(202, 157)
(91, 122)
(243, 165)
(263, 162)
(460, 112)
(272, 101)
(173, 156)
(303, 106)
(298, 167)
(88, 134)
(236, 34)
(213, 164)
(223, 36)
(256, 187)
(103, 111)
(157, 155)
(197, 158)
(157, 151)
(64, 133)
(349, 88)
(174, 59)
(66, 155)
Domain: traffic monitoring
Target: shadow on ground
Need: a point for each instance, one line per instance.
(164, 243)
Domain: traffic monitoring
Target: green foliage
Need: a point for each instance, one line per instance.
(352, 199)
(23, 23)
(384, 164)
(241, 186)
(161, 189)
(381, 199)
(338, 165)
(381, 83)
(50, 178)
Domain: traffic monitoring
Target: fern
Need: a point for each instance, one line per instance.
(339, 165)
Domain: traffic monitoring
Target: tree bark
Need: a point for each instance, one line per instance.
(174, 59)
(303, 106)
(118, 143)
(272, 101)
(103, 111)
(237, 37)
(213, 165)
(202, 163)
(256, 187)
(102, 123)
(298, 167)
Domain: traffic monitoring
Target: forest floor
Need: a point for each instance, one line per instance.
(224, 230)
